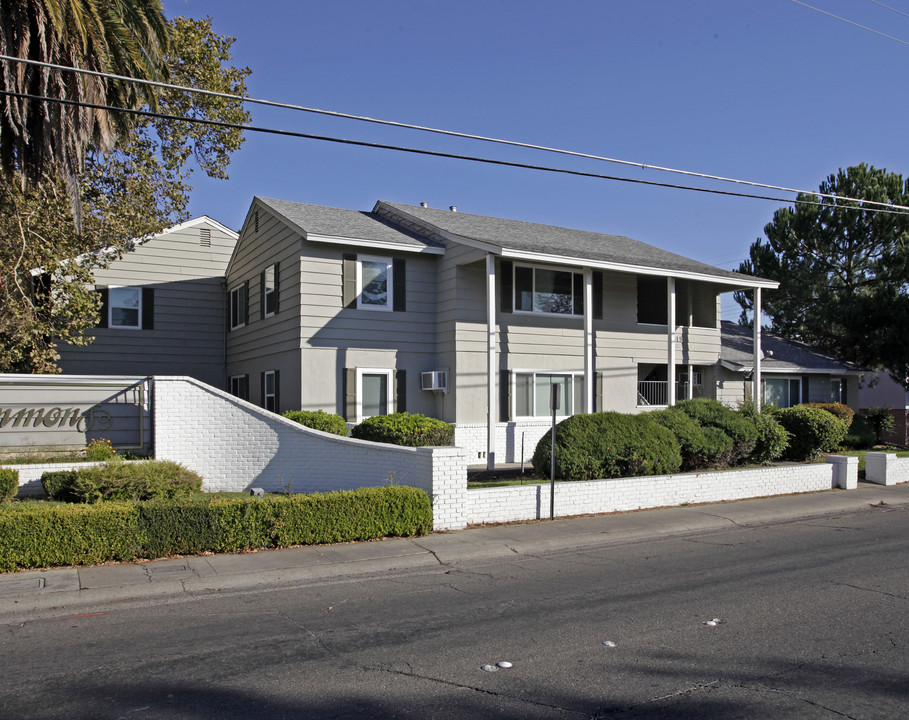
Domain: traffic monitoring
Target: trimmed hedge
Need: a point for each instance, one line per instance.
(710, 413)
(405, 429)
(860, 436)
(843, 412)
(44, 535)
(607, 445)
(117, 480)
(701, 447)
(319, 420)
(772, 439)
(812, 432)
(9, 484)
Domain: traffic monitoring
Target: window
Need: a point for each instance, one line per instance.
(239, 386)
(532, 393)
(652, 300)
(837, 391)
(270, 390)
(374, 391)
(544, 290)
(239, 313)
(125, 307)
(270, 291)
(782, 392)
(374, 283)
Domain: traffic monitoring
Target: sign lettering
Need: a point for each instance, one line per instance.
(56, 417)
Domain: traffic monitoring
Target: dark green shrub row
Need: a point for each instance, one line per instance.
(607, 445)
(710, 413)
(701, 447)
(812, 431)
(405, 429)
(880, 419)
(319, 420)
(860, 436)
(44, 535)
(9, 484)
(118, 480)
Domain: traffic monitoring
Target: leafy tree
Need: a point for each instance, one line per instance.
(134, 190)
(842, 270)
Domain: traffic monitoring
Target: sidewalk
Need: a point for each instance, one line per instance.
(73, 588)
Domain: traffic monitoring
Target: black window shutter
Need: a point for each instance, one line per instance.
(148, 308)
(262, 389)
(506, 273)
(578, 288)
(349, 280)
(805, 391)
(597, 295)
(350, 394)
(262, 295)
(399, 285)
(246, 386)
(246, 303)
(400, 391)
(504, 395)
(105, 307)
(277, 293)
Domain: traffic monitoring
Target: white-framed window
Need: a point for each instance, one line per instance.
(270, 390)
(239, 386)
(270, 290)
(125, 308)
(374, 392)
(374, 283)
(239, 298)
(837, 390)
(548, 290)
(532, 391)
(783, 392)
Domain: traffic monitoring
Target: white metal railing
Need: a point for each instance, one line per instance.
(656, 392)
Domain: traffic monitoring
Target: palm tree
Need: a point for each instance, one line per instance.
(122, 37)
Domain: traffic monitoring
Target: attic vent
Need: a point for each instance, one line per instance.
(205, 237)
(257, 221)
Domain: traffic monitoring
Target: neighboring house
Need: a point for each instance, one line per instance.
(792, 373)
(163, 307)
(882, 391)
(467, 318)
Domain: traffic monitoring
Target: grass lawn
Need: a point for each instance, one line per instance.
(860, 454)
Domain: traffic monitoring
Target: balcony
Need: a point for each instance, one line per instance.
(655, 393)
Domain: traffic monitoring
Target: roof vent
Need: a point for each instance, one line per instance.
(453, 208)
(205, 237)
(424, 204)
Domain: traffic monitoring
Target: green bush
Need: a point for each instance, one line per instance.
(405, 429)
(843, 412)
(700, 447)
(9, 484)
(881, 421)
(117, 480)
(860, 436)
(772, 438)
(43, 535)
(319, 420)
(710, 413)
(607, 445)
(812, 431)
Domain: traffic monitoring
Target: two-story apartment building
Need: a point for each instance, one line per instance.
(467, 318)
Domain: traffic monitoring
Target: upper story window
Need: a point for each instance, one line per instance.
(545, 290)
(239, 306)
(375, 283)
(125, 307)
(270, 291)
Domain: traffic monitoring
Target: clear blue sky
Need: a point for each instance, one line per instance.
(770, 91)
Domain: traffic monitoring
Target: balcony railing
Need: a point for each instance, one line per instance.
(656, 392)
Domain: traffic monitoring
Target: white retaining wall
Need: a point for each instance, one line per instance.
(531, 502)
(509, 438)
(235, 445)
(886, 468)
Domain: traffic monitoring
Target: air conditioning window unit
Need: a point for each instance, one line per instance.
(435, 380)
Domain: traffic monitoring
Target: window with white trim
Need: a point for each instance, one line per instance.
(239, 386)
(270, 391)
(547, 290)
(782, 392)
(270, 290)
(125, 307)
(374, 392)
(374, 283)
(532, 393)
(837, 390)
(238, 306)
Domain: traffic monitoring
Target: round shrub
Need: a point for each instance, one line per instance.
(772, 438)
(608, 445)
(700, 448)
(118, 480)
(9, 484)
(405, 429)
(319, 420)
(881, 421)
(811, 432)
(710, 413)
(843, 412)
(860, 436)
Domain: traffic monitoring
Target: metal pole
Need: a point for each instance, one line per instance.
(554, 402)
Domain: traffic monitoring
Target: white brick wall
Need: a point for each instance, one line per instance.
(235, 445)
(531, 502)
(30, 475)
(886, 468)
(509, 437)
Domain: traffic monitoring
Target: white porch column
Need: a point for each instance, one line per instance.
(756, 376)
(491, 361)
(588, 341)
(690, 394)
(670, 332)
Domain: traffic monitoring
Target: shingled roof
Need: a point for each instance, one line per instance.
(779, 355)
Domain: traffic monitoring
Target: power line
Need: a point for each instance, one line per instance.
(893, 9)
(453, 133)
(846, 20)
(892, 209)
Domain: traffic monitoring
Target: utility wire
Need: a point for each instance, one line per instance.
(845, 20)
(451, 133)
(899, 12)
(892, 209)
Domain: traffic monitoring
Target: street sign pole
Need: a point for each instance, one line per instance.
(554, 404)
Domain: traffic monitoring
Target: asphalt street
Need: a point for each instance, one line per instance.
(810, 621)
